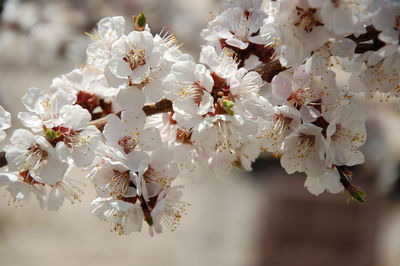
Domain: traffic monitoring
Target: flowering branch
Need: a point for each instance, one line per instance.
(307, 120)
(149, 109)
(162, 106)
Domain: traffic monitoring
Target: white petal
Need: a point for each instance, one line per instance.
(131, 99)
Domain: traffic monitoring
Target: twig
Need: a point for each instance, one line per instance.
(364, 43)
(354, 192)
(162, 106)
(3, 160)
(269, 70)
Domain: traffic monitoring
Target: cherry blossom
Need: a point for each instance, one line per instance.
(35, 156)
(109, 30)
(91, 89)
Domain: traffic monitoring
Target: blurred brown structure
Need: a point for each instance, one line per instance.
(302, 230)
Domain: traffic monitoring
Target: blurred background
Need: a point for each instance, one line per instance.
(261, 218)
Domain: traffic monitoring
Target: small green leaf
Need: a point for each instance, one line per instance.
(358, 195)
(139, 21)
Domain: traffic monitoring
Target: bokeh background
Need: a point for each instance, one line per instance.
(261, 218)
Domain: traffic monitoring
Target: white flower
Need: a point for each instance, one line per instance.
(168, 210)
(127, 178)
(343, 16)
(300, 31)
(300, 92)
(79, 143)
(321, 59)
(65, 126)
(129, 135)
(329, 181)
(235, 91)
(189, 86)
(20, 186)
(113, 179)
(135, 59)
(222, 138)
(110, 29)
(380, 73)
(244, 89)
(34, 156)
(134, 56)
(235, 27)
(91, 88)
(146, 61)
(303, 150)
(5, 122)
(387, 20)
(222, 62)
(44, 109)
(63, 189)
(274, 130)
(161, 169)
(345, 134)
(124, 217)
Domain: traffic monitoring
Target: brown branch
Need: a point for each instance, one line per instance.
(269, 70)
(3, 160)
(364, 43)
(162, 106)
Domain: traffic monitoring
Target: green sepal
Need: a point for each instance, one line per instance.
(149, 220)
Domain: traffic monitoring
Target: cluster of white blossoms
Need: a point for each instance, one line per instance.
(141, 114)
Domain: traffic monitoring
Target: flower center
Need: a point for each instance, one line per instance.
(32, 160)
(119, 183)
(265, 53)
(282, 123)
(223, 99)
(157, 176)
(307, 19)
(128, 143)
(193, 91)
(173, 213)
(305, 142)
(183, 136)
(135, 57)
(61, 134)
